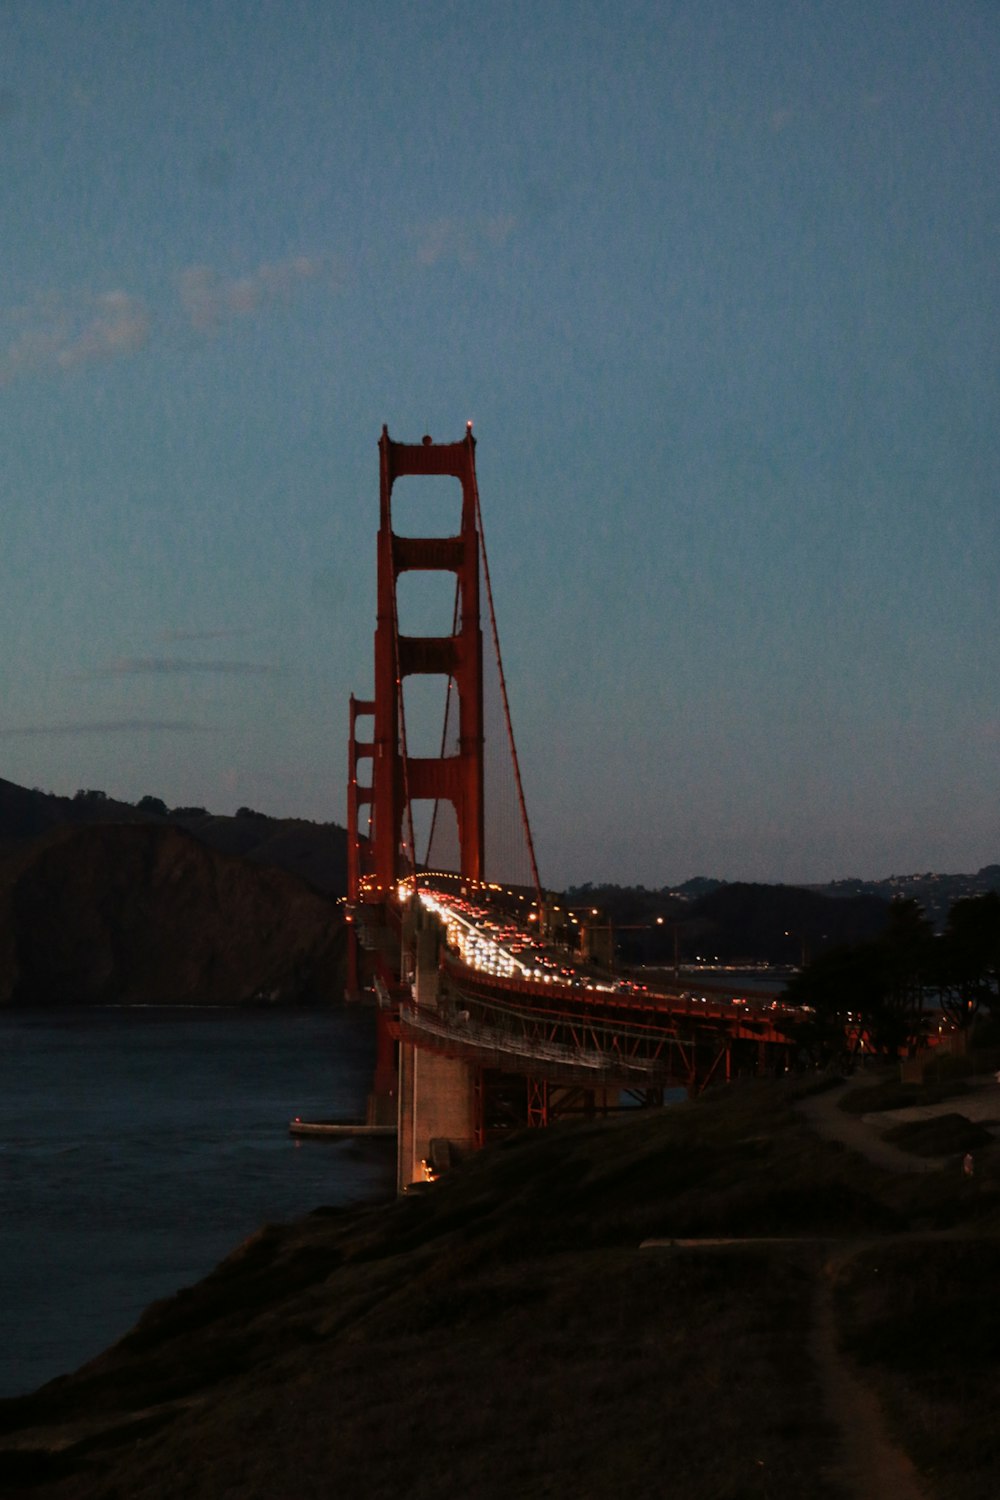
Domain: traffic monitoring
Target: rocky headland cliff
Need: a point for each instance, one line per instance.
(101, 903)
(317, 852)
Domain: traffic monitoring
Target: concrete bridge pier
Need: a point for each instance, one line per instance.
(436, 1112)
(437, 1096)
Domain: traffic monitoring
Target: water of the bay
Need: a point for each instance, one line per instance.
(139, 1147)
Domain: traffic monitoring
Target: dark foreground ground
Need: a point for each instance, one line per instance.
(505, 1335)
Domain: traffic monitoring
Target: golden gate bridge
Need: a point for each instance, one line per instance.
(486, 1017)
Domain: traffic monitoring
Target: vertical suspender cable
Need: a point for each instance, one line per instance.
(401, 709)
(444, 728)
(506, 704)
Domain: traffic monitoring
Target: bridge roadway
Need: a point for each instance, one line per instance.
(504, 998)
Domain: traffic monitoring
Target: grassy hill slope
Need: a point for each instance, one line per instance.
(504, 1334)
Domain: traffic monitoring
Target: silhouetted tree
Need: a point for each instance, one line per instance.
(847, 988)
(884, 983)
(872, 989)
(966, 967)
(905, 952)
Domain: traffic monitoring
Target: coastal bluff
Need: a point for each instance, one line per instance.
(143, 912)
(512, 1331)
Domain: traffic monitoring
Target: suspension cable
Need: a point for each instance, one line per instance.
(444, 728)
(506, 703)
(401, 709)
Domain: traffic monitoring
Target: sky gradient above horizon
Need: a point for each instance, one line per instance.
(718, 285)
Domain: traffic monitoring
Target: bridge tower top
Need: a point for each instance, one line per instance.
(397, 778)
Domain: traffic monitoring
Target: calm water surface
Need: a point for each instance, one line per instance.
(138, 1147)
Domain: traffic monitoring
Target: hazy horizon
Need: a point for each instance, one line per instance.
(593, 880)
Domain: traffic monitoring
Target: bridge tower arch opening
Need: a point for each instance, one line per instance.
(398, 778)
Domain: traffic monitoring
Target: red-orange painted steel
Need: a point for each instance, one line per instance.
(358, 795)
(396, 776)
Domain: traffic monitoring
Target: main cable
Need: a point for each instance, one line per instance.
(504, 699)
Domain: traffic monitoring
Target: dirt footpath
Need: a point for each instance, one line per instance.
(870, 1465)
(826, 1117)
(863, 1133)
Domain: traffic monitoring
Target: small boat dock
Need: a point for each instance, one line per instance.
(338, 1129)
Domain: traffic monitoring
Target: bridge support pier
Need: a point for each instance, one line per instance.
(436, 1112)
(437, 1094)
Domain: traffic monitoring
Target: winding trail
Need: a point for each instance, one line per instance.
(870, 1466)
(826, 1117)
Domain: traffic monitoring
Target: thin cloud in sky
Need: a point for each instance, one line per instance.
(151, 666)
(166, 636)
(209, 300)
(108, 726)
(60, 332)
(118, 325)
(459, 239)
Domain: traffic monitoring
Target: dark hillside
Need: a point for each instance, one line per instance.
(140, 914)
(26, 814)
(778, 923)
(732, 921)
(504, 1335)
(316, 852)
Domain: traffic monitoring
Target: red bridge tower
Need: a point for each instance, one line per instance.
(382, 854)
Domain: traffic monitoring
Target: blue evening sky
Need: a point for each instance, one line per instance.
(715, 279)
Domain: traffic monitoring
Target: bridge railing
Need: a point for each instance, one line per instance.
(603, 1049)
